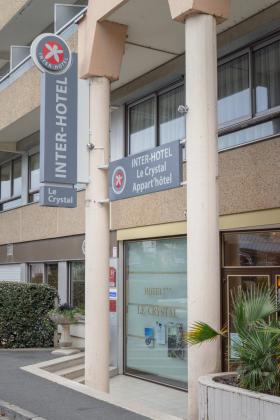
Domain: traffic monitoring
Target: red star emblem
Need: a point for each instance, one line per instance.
(119, 178)
(53, 52)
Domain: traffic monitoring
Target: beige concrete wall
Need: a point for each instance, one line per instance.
(248, 181)
(23, 95)
(33, 222)
(20, 98)
(249, 178)
(8, 8)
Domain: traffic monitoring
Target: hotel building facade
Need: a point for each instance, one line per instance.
(204, 73)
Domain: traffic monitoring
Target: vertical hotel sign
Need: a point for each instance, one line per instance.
(58, 120)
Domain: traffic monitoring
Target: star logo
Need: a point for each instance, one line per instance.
(119, 180)
(53, 52)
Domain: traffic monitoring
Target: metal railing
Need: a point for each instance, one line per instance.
(61, 30)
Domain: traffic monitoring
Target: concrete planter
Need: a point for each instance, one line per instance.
(64, 322)
(223, 402)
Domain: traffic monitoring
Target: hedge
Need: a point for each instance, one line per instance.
(23, 315)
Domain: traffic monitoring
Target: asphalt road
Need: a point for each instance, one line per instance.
(47, 399)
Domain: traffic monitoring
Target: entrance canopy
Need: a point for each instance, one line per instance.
(154, 38)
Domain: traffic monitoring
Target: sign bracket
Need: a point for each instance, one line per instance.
(103, 167)
(105, 201)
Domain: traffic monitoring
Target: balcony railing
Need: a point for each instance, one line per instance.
(66, 30)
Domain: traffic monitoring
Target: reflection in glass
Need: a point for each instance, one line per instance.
(156, 315)
(142, 126)
(11, 204)
(171, 122)
(267, 77)
(249, 134)
(36, 273)
(235, 283)
(5, 182)
(78, 284)
(52, 275)
(34, 172)
(252, 249)
(17, 179)
(233, 90)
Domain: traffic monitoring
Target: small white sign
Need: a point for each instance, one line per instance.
(113, 293)
(115, 252)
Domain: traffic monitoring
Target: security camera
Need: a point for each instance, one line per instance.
(183, 109)
(90, 146)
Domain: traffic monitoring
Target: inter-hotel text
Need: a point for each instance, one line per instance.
(61, 125)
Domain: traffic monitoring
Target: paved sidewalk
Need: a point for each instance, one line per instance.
(47, 399)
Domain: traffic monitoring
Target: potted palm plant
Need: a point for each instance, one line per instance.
(256, 345)
(65, 315)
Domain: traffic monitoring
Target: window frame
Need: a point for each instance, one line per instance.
(46, 264)
(70, 278)
(240, 232)
(131, 105)
(30, 269)
(156, 95)
(255, 48)
(256, 117)
(45, 270)
(11, 197)
(228, 59)
(32, 191)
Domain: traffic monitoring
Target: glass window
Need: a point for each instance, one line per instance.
(142, 126)
(252, 249)
(247, 86)
(249, 134)
(156, 121)
(246, 284)
(10, 184)
(36, 273)
(17, 179)
(234, 90)
(34, 177)
(52, 275)
(156, 310)
(267, 77)
(8, 205)
(171, 122)
(77, 277)
(34, 172)
(6, 181)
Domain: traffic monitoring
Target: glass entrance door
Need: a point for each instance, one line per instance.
(234, 282)
(156, 310)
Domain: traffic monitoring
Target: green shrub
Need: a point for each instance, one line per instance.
(23, 315)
